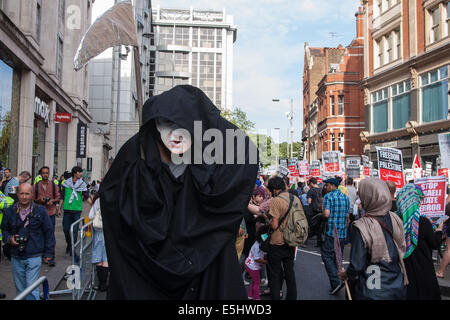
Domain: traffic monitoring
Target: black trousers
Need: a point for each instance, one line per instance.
(280, 261)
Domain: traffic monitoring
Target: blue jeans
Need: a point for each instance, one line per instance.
(69, 218)
(329, 260)
(25, 273)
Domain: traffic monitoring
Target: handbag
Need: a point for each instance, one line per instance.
(97, 223)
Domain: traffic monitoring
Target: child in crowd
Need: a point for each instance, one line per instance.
(253, 265)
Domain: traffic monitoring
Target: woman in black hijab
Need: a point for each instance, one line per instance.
(170, 229)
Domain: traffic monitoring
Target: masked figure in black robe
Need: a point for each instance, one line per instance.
(170, 228)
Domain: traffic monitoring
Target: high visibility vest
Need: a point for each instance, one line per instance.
(37, 179)
(5, 202)
(56, 182)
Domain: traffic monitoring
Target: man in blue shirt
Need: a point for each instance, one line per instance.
(28, 228)
(335, 208)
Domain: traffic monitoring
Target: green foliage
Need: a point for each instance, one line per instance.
(239, 118)
(5, 139)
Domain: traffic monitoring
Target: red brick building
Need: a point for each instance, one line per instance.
(406, 77)
(339, 100)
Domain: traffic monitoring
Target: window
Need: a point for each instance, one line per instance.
(332, 106)
(341, 105)
(398, 45)
(59, 58)
(401, 104)
(390, 45)
(379, 53)
(434, 24)
(380, 110)
(61, 13)
(447, 19)
(434, 89)
(341, 143)
(333, 142)
(38, 23)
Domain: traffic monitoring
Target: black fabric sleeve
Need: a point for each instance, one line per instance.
(427, 233)
(358, 255)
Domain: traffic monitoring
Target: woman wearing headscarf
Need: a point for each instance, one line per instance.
(378, 245)
(420, 241)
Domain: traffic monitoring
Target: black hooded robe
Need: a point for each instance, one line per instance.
(168, 237)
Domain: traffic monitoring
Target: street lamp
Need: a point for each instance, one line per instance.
(121, 57)
(290, 117)
(276, 151)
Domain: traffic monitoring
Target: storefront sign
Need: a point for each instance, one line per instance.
(42, 110)
(315, 168)
(352, 167)
(331, 162)
(444, 146)
(303, 168)
(63, 117)
(81, 140)
(366, 165)
(434, 188)
(390, 165)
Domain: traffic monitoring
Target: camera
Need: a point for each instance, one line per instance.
(22, 241)
(46, 200)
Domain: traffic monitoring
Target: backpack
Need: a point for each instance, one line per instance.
(315, 201)
(295, 232)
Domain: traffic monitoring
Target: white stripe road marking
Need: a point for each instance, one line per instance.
(318, 254)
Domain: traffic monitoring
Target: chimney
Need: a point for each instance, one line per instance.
(360, 23)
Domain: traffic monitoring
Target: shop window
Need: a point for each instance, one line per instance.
(6, 83)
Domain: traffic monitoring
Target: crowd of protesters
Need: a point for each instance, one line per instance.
(28, 217)
(387, 235)
(382, 225)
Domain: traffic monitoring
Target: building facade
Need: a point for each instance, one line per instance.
(113, 124)
(38, 42)
(406, 67)
(314, 70)
(334, 114)
(195, 47)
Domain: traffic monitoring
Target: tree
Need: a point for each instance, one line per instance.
(239, 118)
(5, 139)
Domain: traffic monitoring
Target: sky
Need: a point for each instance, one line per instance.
(269, 50)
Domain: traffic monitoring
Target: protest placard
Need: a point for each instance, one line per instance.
(303, 168)
(352, 167)
(416, 169)
(366, 165)
(293, 167)
(331, 162)
(444, 147)
(390, 165)
(434, 190)
(315, 168)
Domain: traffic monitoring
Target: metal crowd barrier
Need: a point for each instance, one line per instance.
(81, 258)
(42, 280)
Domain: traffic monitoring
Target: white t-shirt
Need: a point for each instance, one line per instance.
(254, 254)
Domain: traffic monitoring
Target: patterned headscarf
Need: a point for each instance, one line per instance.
(408, 202)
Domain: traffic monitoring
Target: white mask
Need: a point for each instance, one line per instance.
(176, 139)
